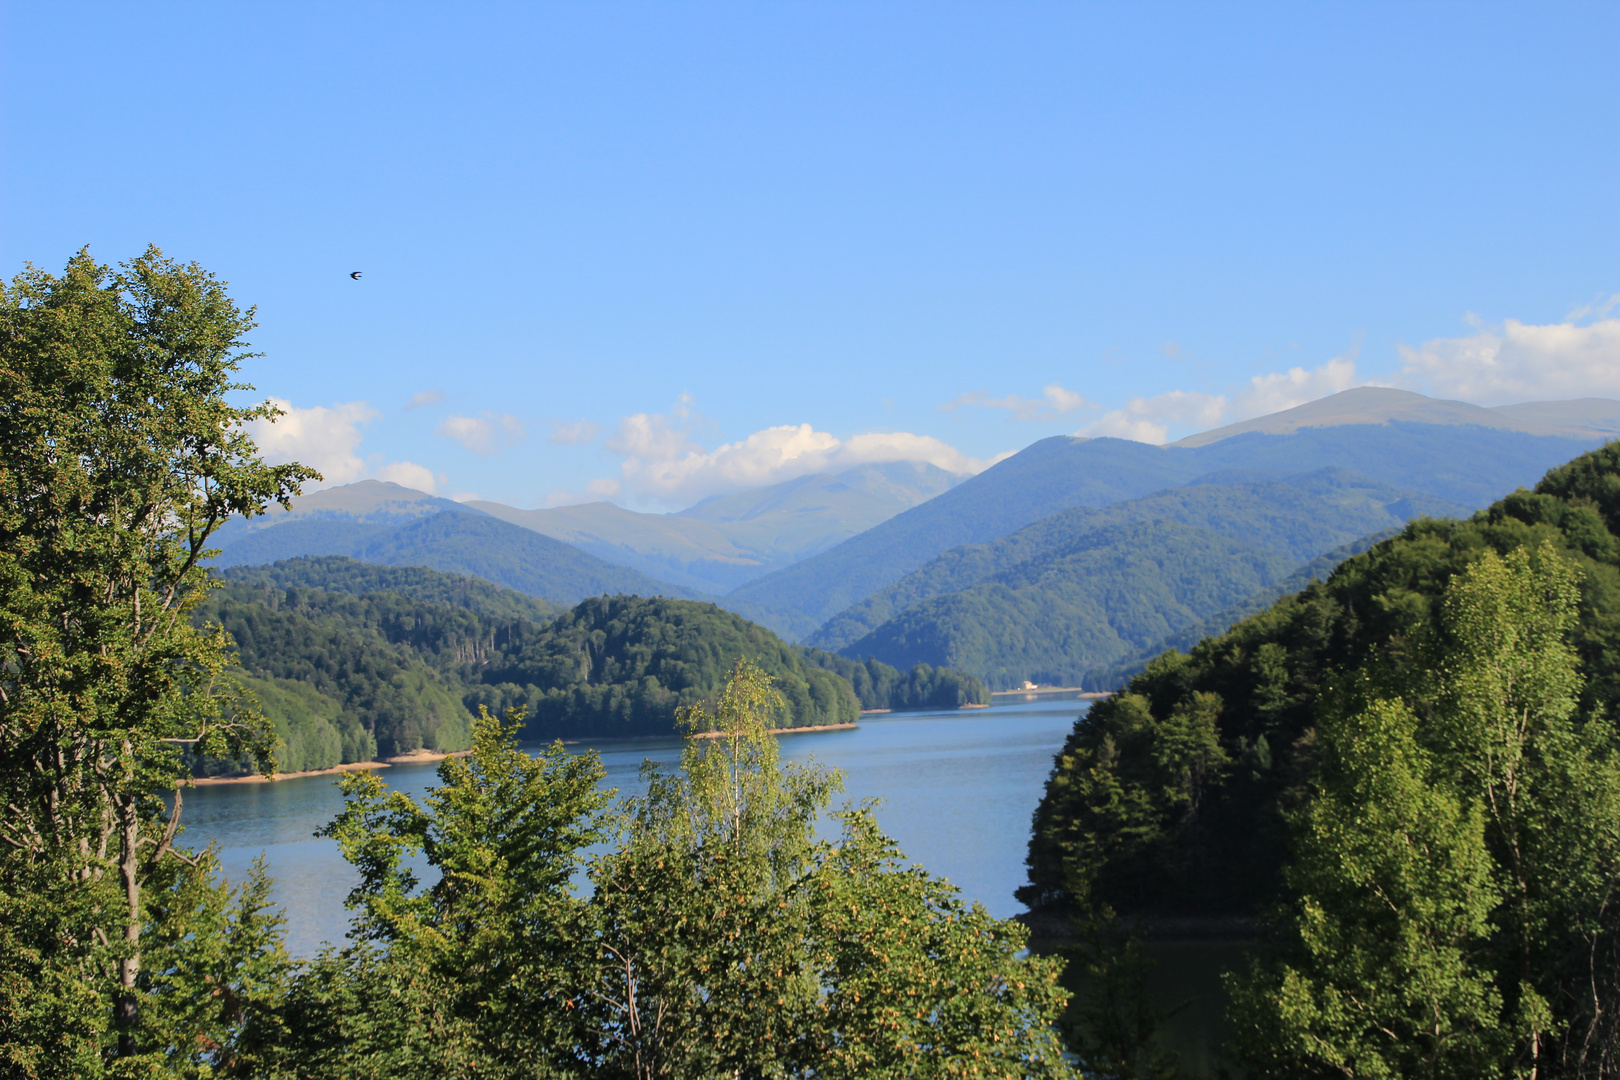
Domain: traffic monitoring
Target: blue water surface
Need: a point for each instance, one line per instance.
(957, 791)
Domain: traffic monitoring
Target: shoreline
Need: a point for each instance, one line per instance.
(778, 730)
(1043, 691)
(415, 757)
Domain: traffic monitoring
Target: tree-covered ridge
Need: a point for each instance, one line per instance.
(1063, 616)
(1083, 596)
(880, 686)
(337, 574)
(622, 665)
(1171, 796)
(350, 661)
(347, 677)
(455, 542)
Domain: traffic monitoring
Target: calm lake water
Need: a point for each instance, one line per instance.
(957, 791)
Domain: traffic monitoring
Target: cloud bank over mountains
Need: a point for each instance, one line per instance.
(1519, 362)
(1153, 419)
(662, 459)
(328, 440)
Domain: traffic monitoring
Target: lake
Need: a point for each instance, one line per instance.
(957, 791)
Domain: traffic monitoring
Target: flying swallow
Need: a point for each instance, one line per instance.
(355, 275)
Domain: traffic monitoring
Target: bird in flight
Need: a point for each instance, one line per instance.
(355, 275)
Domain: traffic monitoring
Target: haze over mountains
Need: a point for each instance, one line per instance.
(1065, 559)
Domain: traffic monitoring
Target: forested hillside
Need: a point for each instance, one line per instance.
(1170, 796)
(1067, 599)
(351, 661)
(880, 686)
(456, 542)
(1464, 465)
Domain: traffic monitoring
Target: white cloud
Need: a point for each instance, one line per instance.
(408, 474)
(424, 397)
(1281, 390)
(574, 434)
(1519, 362)
(486, 434)
(662, 461)
(326, 439)
(1054, 401)
(1153, 419)
(1149, 419)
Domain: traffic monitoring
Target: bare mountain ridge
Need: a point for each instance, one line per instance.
(1583, 418)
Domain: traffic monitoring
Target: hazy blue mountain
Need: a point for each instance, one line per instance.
(367, 502)
(1294, 519)
(727, 540)
(459, 542)
(1464, 465)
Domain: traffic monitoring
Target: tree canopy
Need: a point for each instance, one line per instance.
(120, 455)
(718, 935)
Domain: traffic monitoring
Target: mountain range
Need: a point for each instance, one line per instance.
(1067, 558)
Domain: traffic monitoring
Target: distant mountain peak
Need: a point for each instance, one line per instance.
(1582, 418)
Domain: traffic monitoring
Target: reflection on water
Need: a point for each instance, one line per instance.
(957, 791)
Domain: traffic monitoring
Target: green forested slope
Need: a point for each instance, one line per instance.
(880, 686)
(1297, 518)
(622, 665)
(1169, 797)
(1068, 613)
(351, 661)
(338, 574)
(1465, 465)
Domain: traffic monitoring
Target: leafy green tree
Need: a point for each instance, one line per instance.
(730, 942)
(120, 455)
(1395, 894)
(467, 972)
(1456, 861)
(717, 937)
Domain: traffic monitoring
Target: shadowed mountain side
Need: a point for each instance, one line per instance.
(1058, 617)
(459, 543)
(727, 540)
(1295, 518)
(1472, 466)
(1468, 466)
(1050, 475)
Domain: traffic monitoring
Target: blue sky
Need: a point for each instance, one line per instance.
(656, 251)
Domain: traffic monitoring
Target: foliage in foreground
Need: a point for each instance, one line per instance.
(718, 936)
(1451, 898)
(120, 455)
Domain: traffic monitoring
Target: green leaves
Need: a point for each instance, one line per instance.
(120, 455)
(1454, 866)
(713, 936)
